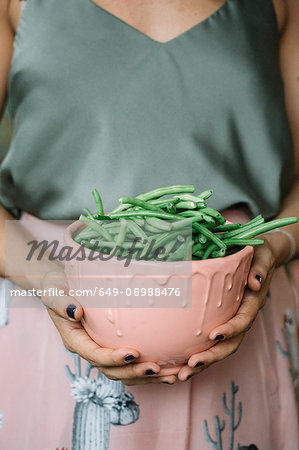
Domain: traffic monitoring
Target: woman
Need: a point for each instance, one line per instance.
(190, 92)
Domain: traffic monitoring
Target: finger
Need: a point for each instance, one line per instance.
(55, 297)
(242, 321)
(216, 353)
(78, 341)
(142, 381)
(132, 371)
(263, 262)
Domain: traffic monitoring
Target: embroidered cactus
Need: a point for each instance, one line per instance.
(231, 413)
(91, 426)
(124, 410)
(99, 402)
(219, 427)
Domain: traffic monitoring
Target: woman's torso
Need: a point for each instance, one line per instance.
(97, 102)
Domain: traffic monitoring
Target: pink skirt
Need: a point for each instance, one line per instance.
(246, 401)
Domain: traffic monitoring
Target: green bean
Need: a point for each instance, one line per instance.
(94, 225)
(122, 233)
(136, 230)
(89, 213)
(209, 251)
(263, 228)
(156, 193)
(191, 198)
(113, 231)
(159, 224)
(213, 213)
(192, 213)
(203, 230)
(86, 233)
(249, 225)
(199, 254)
(185, 205)
(139, 222)
(228, 227)
(100, 219)
(91, 246)
(170, 246)
(171, 208)
(178, 254)
(164, 238)
(202, 239)
(240, 241)
(140, 203)
(182, 252)
(151, 229)
(163, 202)
(111, 225)
(98, 202)
(185, 223)
(144, 213)
(218, 253)
(232, 242)
(161, 192)
(205, 194)
(145, 249)
(197, 247)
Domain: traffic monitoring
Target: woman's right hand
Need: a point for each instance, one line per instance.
(111, 362)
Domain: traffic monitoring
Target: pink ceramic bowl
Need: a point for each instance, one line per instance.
(166, 335)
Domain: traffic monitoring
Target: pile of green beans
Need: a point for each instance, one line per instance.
(169, 224)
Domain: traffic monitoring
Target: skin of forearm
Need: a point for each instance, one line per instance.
(279, 242)
(27, 275)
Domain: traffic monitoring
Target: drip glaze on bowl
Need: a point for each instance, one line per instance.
(166, 335)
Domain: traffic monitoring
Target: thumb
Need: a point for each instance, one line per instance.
(55, 296)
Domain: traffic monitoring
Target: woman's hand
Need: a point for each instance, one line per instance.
(115, 364)
(230, 335)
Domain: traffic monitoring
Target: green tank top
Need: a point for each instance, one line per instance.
(96, 103)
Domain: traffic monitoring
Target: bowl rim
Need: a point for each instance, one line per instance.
(75, 226)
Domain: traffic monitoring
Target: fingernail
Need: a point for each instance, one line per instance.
(259, 278)
(70, 310)
(190, 376)
(199, 364)
(130, 357)
(219, 337)
(150, 372)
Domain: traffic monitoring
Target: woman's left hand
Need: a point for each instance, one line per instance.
(231, 334)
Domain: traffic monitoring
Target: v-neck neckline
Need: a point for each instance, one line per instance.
(180, 36)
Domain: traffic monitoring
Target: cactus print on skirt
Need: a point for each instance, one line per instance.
(48, 395)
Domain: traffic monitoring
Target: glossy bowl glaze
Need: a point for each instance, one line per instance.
(166, 335)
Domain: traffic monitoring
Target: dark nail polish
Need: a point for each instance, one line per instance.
(219, 337)
(130, 358)
(190, 376)
(150, 372)
(259, 278)
(165, 382)
(70, 310)
(199, 364)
